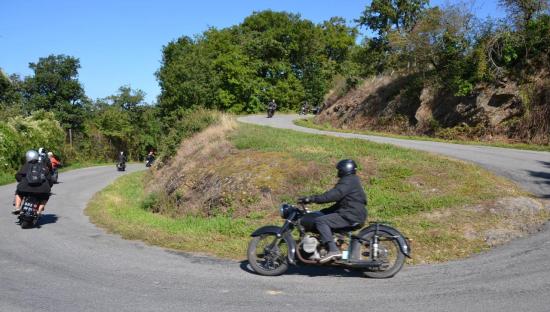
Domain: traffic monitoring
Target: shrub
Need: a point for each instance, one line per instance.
(183, 124)
(20, 134)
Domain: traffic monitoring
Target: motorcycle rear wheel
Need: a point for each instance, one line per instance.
(390, 255)
(266, 259)
(26, 224)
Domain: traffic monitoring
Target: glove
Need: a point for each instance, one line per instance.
(304, 200)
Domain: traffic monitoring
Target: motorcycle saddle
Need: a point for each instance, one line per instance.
(352, 227)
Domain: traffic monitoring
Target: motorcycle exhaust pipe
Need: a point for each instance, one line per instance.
(363, 264)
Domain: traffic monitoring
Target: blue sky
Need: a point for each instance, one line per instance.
(120, 42)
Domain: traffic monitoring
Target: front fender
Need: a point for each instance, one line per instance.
(272, 229)
(403, 243)
(268, 229)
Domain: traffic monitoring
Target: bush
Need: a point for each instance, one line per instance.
(183, 124)
(23, 133)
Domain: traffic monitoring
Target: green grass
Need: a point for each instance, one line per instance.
(309, 123)
(389, 172)
(119, 208)
(7, 178)
(428, 198)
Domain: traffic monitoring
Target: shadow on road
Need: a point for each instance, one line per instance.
(312, 271)
(543, 177)
(47, 219)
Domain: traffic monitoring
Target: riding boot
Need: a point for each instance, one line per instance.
(333, 253)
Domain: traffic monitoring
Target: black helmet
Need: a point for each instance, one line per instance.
(345, 167)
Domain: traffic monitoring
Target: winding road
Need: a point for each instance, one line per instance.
(69, 264)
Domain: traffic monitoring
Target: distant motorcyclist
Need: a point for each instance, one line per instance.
(44, 159)
(150, 158)
(121, 162)
(271, 107)
(34, 179)
(304, 109)
(122, 158)
(316, 110)
(54, 161)
(350, 206)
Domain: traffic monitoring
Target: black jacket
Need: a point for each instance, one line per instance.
(121, 158)
(350, 199)
(23, 185)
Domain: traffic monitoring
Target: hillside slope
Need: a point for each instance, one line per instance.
(504, 111)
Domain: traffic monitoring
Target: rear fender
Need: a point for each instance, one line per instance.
(403, 243)
(272, 229)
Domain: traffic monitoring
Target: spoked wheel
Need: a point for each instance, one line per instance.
(389, 255)
(268, 255)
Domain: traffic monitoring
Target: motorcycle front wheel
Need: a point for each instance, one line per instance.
(388, 254)
(268, 254)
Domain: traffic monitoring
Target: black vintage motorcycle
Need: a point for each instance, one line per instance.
(378, 250)
(120, 166)
(28, 217)
(270, 112)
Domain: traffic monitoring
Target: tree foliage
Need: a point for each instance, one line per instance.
(55, 87)
(270, 55)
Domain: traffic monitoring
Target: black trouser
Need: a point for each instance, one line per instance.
(325, 223)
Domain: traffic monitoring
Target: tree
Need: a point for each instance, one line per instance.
(11, 99)
(55, 88)
(523, 11)
(270, 55)
(386, 15)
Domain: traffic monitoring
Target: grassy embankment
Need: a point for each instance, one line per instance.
(444, 206)
(309, 123)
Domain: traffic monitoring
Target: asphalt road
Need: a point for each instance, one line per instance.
(70, 265)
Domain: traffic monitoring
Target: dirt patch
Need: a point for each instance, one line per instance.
(473, 228)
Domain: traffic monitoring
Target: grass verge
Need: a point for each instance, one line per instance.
(309, 123)
(223, 185)
(121, 208)
(7, 178)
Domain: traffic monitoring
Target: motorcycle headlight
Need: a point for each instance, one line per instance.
(284, 210)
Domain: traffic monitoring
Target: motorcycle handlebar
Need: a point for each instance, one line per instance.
(302, 207)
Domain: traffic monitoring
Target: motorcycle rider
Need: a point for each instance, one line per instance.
(55, 163)
(304, 109)
(349, 209)
(150, 158)
(43, 158)
(40, 191)
(272, 106)
(121, 158)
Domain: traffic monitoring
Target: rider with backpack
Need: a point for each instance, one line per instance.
(34, 179)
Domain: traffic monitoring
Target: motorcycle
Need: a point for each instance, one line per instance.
(270, 112)
(149, 162)
(55, 176)
(121, 166)
(28, 217)
(377, 250)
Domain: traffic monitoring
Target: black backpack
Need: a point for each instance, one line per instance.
(36, 174)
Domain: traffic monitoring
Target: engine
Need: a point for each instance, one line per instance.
(309, 245)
